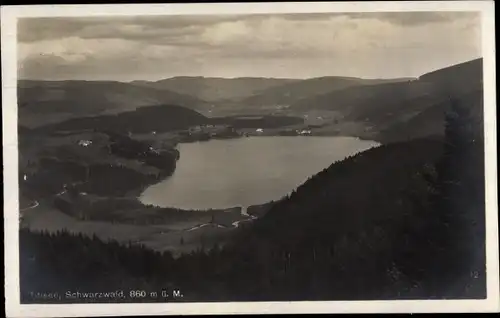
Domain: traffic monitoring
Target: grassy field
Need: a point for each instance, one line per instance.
(159, 237)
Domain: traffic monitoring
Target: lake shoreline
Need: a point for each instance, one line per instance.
(192, 225)
(220, 216)
(246, 153)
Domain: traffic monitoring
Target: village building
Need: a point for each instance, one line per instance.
(84, 143)
(153, 150)
(194, 129)
(210, 129)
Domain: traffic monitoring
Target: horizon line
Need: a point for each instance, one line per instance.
(249, 77)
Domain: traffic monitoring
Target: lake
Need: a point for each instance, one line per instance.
(247, 171)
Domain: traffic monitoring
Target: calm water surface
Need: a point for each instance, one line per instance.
(246, 171)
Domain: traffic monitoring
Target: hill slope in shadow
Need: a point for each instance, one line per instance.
(46, 102)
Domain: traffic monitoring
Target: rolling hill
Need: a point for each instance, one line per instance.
(46, 102)
(143, 120)
(215, 89)
(291, 93)
(383, 108)
(450, 81)
(457, 79)
(374, 103)
(430, 121)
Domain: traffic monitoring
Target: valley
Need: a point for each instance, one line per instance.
(90, 152)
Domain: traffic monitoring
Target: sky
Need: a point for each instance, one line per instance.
(305, 45)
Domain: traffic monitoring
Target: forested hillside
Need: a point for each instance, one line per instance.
(401, 221)
(143, 120)
(45, 102)
(294, 92)
(404, 110)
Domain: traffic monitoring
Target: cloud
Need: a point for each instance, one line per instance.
(413, 18)
(146, 27)
(36, 29)
(163, 46)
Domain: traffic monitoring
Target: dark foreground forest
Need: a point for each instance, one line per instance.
(401, 221)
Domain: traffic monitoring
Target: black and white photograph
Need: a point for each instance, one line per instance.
(250, 155)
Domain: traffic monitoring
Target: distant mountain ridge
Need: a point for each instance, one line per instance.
(447, 81)
(382, 107)
(216, 89)
(376, 108)
(290, 93)
(255, 91)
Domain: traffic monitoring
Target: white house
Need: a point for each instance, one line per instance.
(153, 150)
(193, 129)
(84, 143)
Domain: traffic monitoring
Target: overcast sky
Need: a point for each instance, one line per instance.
(370, 45)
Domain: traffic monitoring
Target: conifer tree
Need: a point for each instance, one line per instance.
(459, 202)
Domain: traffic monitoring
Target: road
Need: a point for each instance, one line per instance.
(36, 203)
(32, 206)
(237, 223)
